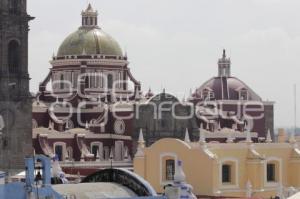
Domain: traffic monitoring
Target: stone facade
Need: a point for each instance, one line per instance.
(163, 115)
(221, 103)
(15, 98)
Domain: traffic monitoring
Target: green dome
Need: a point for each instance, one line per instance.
(89, 41)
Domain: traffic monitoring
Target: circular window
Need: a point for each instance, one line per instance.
(119, 127)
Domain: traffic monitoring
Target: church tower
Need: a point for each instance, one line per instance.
(15, 98)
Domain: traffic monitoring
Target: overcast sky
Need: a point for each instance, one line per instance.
(175, 44)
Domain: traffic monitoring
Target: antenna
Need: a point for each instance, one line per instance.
(295, 109)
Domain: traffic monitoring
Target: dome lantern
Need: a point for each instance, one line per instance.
(89, 17)
(89, 39)
(224, 65)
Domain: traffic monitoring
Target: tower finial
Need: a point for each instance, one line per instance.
(269, 138)
(89, 8)
(224, 53)
(187, 136)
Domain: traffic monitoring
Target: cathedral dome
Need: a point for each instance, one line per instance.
(224, 86)
(89, 41)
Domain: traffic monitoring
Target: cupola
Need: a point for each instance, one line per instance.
(89, 17)
(224, 64)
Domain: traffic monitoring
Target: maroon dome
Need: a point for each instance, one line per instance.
(226, 88)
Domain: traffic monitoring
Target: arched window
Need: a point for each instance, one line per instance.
(59, 152)
(109, 81)
(95, 150)
(13, 56)
(61, 83)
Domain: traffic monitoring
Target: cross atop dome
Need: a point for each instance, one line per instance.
(224, 53)
(89, 8)
(224, 65)
(89, 17)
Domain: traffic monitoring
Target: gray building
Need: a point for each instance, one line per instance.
(15, 98)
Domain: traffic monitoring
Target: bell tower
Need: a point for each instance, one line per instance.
(15, 98)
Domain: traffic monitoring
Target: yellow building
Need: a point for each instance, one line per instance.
(241, 169)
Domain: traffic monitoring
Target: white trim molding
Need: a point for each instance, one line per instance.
(64, 148)
(161, 156)
(235, 183)
(279, 174)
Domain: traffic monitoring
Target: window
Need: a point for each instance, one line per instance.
(59, 152)
(75, 80)
(224, 71)
(211, 95)
(101, 80)
(96, 79)
(13, 56)
(109, 81)
(95, 150)
(205, 95)
(120, 79)
(170, 169)
(226, 173)
(229, 173)
(271, 172)
(87, 81)
(72, 79)
(208, 94)
(61, 83)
